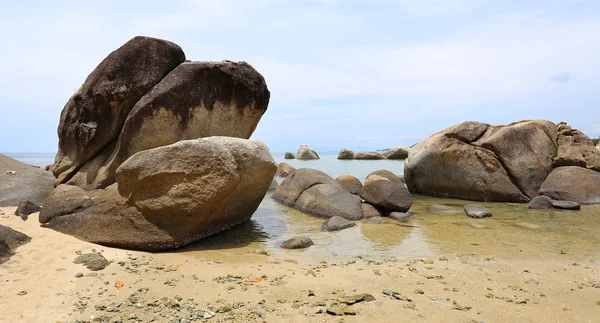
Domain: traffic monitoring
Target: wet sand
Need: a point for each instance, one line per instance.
(519, 265)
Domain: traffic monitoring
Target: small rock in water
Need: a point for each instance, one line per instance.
(477, 211)
(401, 217)
(375, 220)
(297, 243)
(540, 202)
(438, 208)
(336, 223)
(78, 275)
(566, 205)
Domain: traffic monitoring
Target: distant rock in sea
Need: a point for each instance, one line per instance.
(369, 155)
(346, 154)
(289, 155)
(400, 152)
(306, 153)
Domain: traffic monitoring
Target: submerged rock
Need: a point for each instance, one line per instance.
(337, 223)
(384, 189)
(566, 205)
(345, 154)
(477, 211)
(438, 208)
(401, 216)
(306, 153)
(297, 243)
(350, 183)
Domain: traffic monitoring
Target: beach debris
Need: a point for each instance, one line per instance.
(119, 284)
(297, 243)
(253, 280)
(419, 291)
(22, 293)
(11, 172)
(93, 261)
(395, 295)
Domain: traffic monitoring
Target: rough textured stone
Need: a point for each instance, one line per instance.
(369, 155)
(306, 153)
(297, 243)
(375, 220)
(566, 205)
(384, 189)
(345, 154)
(10, 240)
(369, 211)
(400, 152)
(26, 208)
(540, 203)
(438, 208)
(168, 196)
(289, 155)
(477, 211)
(27, 183)
(284, 169)
(316, 193)
(575, 149)
(337, 223)
(401, 216)
(93, 261)
(572, 183)
(350, 183)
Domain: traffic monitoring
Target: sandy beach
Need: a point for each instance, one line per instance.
(250, 284)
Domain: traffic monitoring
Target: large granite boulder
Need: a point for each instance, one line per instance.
(127, 106)
(575, 149)
(306, 153)
(345, 154)
(350, 183)
(400, 152)
(572, 183)
(9, 241)
(20, 182)
(384, 189)
(477, 161)
(169, 196)
(369, 155)
(316, 193)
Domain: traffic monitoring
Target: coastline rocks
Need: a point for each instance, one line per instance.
(297, 243)
(10, 240)
(169, 196)
(572, 183)
(384, 189)
(438, 208)
(400, 152)
(345, 154)
(126, 107)
(289, 155)
(316, 193)
(26, 208)
(477, 211)
(575, 149)
(350, 183)
(370, 155)
(337, 223)
(284, 169)
(369, 211)
(27, 183)
(540, 202)
(306, 153)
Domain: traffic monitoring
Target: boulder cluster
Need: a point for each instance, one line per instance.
(400, 152)
(153, 150)
(304, 153)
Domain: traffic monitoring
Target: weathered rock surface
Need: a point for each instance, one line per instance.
(575, 149)
(350, 183)
(297, 243)
(439, 208)
(284, 169)
(400, 152)
(289, 155)
(337, 223)
(384, 189)
(477, 211)
(369, 155)
(572, 183)
(93, 261)
(274, 185)
(10, 240)
(169, 196)
(306, 153)
(566, 205)
(369, 211)
(316, 193)
(144, 96)
(540, 202)
(375, 220)
(26, 183)
(26, 208)
(345, 154)
(401, 216)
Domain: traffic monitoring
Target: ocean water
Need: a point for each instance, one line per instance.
(36, 159)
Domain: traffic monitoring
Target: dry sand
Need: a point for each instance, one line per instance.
(244, 284)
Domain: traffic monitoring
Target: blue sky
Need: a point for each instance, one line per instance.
(342, 73)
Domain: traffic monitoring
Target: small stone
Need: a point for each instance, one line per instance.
(477, 211)
(93, 261)
(419, 291)
(21, 293)
(297, 243)
(208, 315)
(78, 275)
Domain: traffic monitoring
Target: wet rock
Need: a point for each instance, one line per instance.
(306, 153)
(337, 223)
(438, 208)
(10, 240)
(350, 183)
(284, 169)
(26, 208)
(93, 261)
(370, 211)
(401, 216)
(371, 155)
(297, 243)
(384, 189)
(289, 155)
(566, 205)
(540, 202)
(375, 220)
(345, 154)
(477, 211)
(400, 152)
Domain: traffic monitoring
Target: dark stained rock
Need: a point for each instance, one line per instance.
(384, 189)
(566, 205)
(369, 211)
(401, 216)
(369, 155)
(27, 183)
(274, 185)
(575, 149)
(316, 193)
(297, 243)
(350, 183)
(540, 202)
(10, 240)
(438, 208)
(477, 211)
(289, 155)
(169, 196)
(284, 169)
(572, 183)
(93, 118)
(345, 154)
(400, 152)
(337, 223)
(26, 208)
(306, 153)
(93, 261)
(374, 220)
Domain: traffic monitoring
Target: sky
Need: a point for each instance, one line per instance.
(357, 74)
